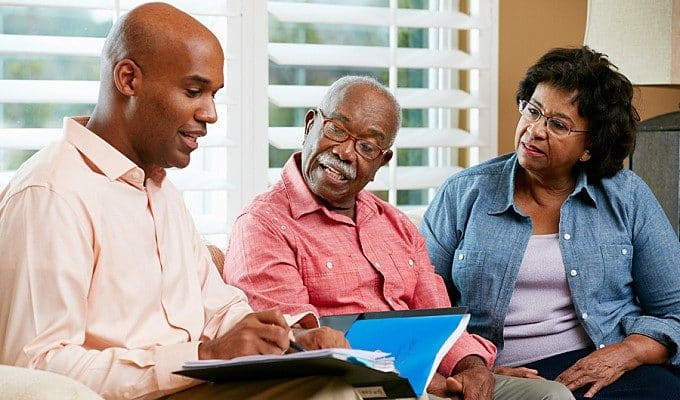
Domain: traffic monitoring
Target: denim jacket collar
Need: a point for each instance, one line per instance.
(504, 199)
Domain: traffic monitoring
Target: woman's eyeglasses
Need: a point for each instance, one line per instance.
(554, 125)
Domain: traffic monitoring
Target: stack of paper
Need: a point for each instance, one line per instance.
(378, 360)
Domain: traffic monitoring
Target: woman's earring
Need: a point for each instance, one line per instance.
(585, 156)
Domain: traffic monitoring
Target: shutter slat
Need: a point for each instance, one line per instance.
(290, 138)
(211, 225)
(368, 56)
(28, 139)
(91, 4)
(196, 179)
(309, 96)
(57, 91)
(370, 16)
(51, 45)
(48, 91)
(206, 8)
(37, 138)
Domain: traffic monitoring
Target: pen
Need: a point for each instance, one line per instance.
(296, 346)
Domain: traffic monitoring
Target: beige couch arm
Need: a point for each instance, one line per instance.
(32, 384)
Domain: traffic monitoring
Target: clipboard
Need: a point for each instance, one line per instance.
(368, 382)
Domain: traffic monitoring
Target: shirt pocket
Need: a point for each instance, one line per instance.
(473, 281)
(405, 282)
(334, 280)
(617, 263)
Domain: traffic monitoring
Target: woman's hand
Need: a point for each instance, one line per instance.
(520, 372)
(604, 366)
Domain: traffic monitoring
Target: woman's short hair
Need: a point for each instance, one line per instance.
(604, 97)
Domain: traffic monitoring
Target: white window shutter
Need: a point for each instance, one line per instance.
(213, 184)
(440, 60)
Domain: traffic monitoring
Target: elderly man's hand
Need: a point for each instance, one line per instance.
(471, 380)
(438, 387)
(320, 338)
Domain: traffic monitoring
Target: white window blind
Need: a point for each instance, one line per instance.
(49, 68)
(438, 58)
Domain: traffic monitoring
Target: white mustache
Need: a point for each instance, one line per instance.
(337, 164)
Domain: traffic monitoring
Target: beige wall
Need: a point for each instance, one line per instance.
(529, 28)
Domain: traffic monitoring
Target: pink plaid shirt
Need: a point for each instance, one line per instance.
(289, 251)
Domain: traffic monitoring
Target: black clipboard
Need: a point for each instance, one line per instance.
(380, 385)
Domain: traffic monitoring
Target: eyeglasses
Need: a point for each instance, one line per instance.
(554, 125)
(333, 130)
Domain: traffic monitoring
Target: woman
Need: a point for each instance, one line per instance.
(565, 259)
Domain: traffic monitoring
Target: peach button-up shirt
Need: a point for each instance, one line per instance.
(103, 276)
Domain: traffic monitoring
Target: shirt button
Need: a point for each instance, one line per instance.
(410, 262)
(624, 251)
(377, 265)
(584, 315)
(601, 346)
(461, 256)
(566, 236)
(329, 265)
(573, 272)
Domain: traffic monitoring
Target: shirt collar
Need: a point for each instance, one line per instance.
(304, 201)
(504, 198)
(103, 156)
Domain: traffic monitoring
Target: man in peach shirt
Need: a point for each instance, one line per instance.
(103, 276)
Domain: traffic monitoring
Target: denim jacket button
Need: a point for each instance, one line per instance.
(573, 272)
(584, 315)
(624, 251)
(601, 346)
(567, 236)
(461, 257)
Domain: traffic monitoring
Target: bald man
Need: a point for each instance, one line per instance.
(103, 276)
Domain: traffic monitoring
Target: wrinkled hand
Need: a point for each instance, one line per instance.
(264, 332)
(599, 368)
(472, 380)
(520, 372)
(320, 338)
(438, 387)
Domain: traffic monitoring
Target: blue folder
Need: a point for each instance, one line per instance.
(418, 339)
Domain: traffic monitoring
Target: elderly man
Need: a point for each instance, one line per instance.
(103, 276)
(317, 242)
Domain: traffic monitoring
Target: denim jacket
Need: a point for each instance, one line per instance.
(620, 253)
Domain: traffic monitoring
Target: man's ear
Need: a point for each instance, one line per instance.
(309, 120)
(127, 77)
(386, 157)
